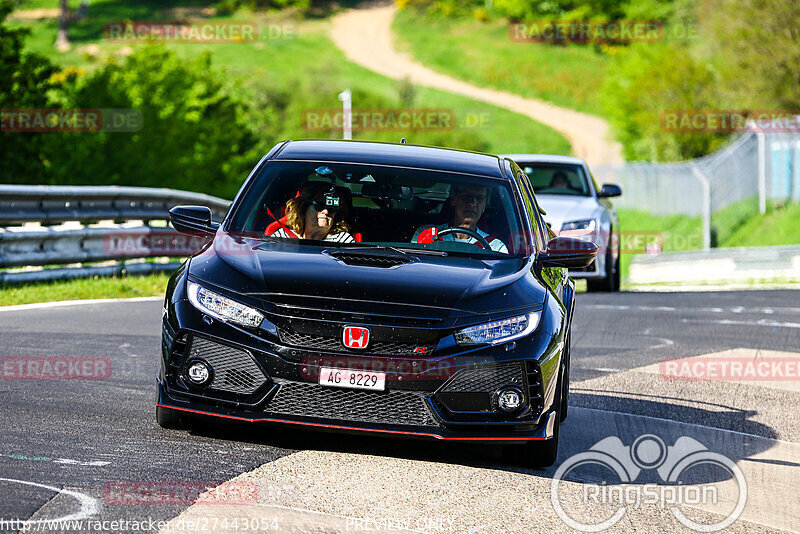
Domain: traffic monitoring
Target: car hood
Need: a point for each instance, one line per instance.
(564, 208)
(262, 269)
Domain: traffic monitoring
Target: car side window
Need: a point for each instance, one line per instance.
(532, 209)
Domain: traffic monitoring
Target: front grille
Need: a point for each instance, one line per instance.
(310, 341)
(339, 404)
(234, 370)
(485, 379)
(339, 310)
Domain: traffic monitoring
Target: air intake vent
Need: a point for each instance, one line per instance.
(370, 260)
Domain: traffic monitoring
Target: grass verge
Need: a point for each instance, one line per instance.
(89, 288)
(484, 54)
(738, 225)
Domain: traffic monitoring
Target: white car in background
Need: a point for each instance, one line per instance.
(576, 207)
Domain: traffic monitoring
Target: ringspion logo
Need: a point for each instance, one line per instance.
(622, 465)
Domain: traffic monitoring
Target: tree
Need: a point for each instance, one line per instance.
(758, 48)
(25, 80)
(649, 80)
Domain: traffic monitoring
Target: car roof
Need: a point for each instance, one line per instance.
(401, 155)
(543, 158)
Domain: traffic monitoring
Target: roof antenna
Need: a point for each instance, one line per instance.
(403, 141)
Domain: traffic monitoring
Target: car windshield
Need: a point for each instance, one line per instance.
(357, 205)
(556, 179)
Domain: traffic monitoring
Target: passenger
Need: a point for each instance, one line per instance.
(468, 204)
(318, 213)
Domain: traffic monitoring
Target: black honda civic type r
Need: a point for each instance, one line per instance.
(379, 288)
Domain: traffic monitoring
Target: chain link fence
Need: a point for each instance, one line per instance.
(755, 165)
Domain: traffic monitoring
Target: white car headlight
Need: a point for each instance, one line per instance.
(584, 226)
(499, 331)
(223, 308)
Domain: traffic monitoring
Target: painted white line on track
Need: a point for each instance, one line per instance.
(761, 322)
(732, 309)
(89, 505)
(62, 303)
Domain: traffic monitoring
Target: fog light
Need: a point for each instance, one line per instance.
(509, 399)
(199, 372)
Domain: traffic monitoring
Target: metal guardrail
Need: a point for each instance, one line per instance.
(127, 246)
(56, 204)
(754, 166)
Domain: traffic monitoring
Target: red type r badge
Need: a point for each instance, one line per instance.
(355, 337)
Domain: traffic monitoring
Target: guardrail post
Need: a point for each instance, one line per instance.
(706, 185)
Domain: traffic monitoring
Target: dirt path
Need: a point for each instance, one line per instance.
(365, 36)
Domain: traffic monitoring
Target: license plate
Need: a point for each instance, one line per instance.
(352, 378)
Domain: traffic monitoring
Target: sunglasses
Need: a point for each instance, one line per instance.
(320, 205)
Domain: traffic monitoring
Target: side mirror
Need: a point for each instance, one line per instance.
(568, 252)
(609, 190)
(192, 220)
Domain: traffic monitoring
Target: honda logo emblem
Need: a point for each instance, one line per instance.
(355, 337)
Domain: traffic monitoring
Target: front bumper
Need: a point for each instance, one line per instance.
(541, 431)
(433, 397)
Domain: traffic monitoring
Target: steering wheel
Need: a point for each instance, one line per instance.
(468, 231)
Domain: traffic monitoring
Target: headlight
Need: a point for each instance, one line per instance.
(584, 226)
(499, 331)
(223, 308)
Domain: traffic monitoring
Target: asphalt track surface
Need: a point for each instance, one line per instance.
(65, 443)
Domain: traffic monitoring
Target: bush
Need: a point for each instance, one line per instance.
(194, 134)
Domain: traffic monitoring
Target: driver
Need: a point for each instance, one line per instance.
(559, 181)
(468, 203)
